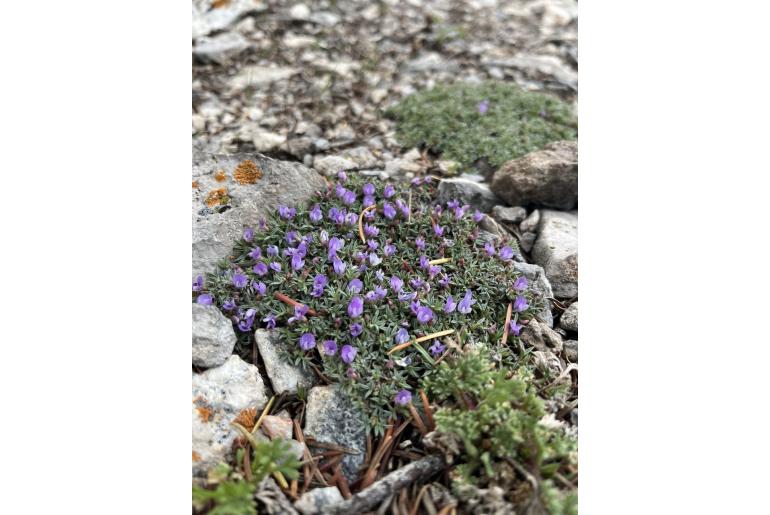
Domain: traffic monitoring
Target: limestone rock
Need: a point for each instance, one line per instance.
(284, 377)
(556, 250)
(213, 337)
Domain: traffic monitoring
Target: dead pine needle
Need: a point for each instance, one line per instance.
(361, 223)
(421, 339)
(507, 324)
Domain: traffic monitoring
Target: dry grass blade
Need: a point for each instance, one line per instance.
(507, 323)
(417, 420)
(428, 411)
(420, 339)
(264, 414)
(416, 506)
(439, 261)
(291, 302)
(361, 223)
(313, 468)
(342, 483)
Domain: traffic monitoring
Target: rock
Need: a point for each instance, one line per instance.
(538, 66)
(318, 500)
(299, 12)
(274, 426)
(548, 362)
(527, 241)
(362, 156)
(489, 225)
(539, 284)
(265, 141)
(219, 48)
(219, 394)
(556, 250)
(273, 500)
(546, 177)
(256, 76)
(213, 337)
(284, 376)
(321, 144)
(214, 234)
(571, 350)
(331, 417)
(299, 146)
(541, 337)
(330, 165)
(430, 61)
(509, 215)
(531, 222)
(206, 18)
(447, 167)
(474, 193)
(569, 319)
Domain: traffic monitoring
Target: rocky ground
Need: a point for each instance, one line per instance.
(300, 90)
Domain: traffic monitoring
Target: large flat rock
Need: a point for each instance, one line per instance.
(556, 250)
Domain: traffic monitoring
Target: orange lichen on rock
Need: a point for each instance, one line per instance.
(195, 185)
(247, 172)
(247, 418)
(216, 4)
(204, 413)
(217, 197)
(196, 456)
(220, 176)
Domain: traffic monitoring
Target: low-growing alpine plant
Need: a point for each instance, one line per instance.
(370, 285)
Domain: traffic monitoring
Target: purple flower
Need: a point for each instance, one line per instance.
(335, 244)
(483, 106)
(489, 247)
(417, 283)
(262, 223)
(368, 189)
(406, 296)
(371, 230)
(339, 265)
(444, 281)
(342, 176)
(255, 253)
(330, 347)
(520, 284)
(437, 209)
(520, 304)
(270, 321)
(374, 259)
(323, 237)
(368, 201)
(339, 190)
(450, 305)
(464, 306)
(287, 213)
(319, 283)
(299, 314)
(437, 348)
(307, 341)
(240, 280)
(355, 286)
(380, 292)
(315, 214)
(356, 329)
(348, 354)
(424, 314)
(272, 250)
(356, 307)
(414, 306)
(506, 253)
(248, 234)
(389, 250)
(389, 191)
(246, 322)
(438, 230)
(404, 207)
(349, 197)
(402, 336)
(372, 244)
(515, 328)
(379, 275)
(297, 262)
(205, 299)
(403, 397)
(259, 287)
(459, 213)
(229, 305)
(351, 219)
(416, 181)
(260, 268)
(389, 211)
(396, 283)
(478, 216)
(275, 266)
(452, 204)
(420, 242)
(433, 270)
(197, 285)
(424, 262)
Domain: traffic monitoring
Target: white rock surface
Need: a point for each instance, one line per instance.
(213, 337)
(284, 377)
(556, 250)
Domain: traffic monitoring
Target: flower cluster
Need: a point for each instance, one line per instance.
(342, 295)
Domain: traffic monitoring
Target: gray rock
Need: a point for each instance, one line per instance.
(331, 417)
(547, 177)
(556, 250)
(218, 395)
(430, 61)
(321, 144)
(489, 225)
(273, 500)
(538, 66)
(330, 165)
(527, 241)
(509, 215)
(531, 222)
(362, 156)
(539, 284)
(219, 48)
(266, 141)
(213, 337)
(541, 337)
(258, 76)
(207, 19)
(299, 146)
(284, 376)
(571, 350)
(318, 500)
(214, 234)
(547, 361)
(569, 319)
(474, 193)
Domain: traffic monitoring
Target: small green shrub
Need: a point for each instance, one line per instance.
(448, 120)
(369, 296)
